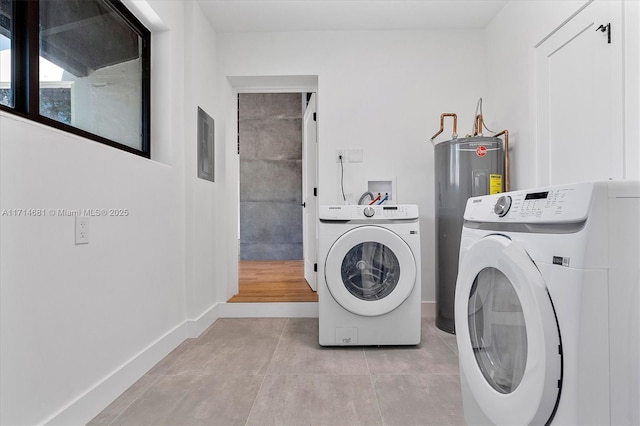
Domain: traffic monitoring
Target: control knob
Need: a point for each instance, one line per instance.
(369, 211)
(502, 205)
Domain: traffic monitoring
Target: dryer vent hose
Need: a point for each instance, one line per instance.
(363, 196)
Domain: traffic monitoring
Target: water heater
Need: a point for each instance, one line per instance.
(464, 167)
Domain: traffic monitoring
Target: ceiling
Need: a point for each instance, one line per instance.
(348, 15)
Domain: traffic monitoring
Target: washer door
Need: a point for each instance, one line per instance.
(370, 271)
(507, 333)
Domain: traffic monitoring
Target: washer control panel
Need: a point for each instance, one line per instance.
(376, 213)
(566, 203)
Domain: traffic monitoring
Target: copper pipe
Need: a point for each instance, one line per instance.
(455, 125)
(506, 157)
(477, 126)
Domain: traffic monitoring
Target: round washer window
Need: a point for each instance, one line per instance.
(370, 271)
(497, 330)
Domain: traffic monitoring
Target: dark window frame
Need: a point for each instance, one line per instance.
(25, 53)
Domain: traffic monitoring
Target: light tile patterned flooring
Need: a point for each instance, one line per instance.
(271, 371)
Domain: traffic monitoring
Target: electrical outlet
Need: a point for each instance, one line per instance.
(82, 230)
(340, 153)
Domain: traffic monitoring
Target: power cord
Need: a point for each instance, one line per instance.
(342, 177)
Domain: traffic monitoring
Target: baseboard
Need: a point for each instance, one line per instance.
(88, 405)
(94, 400)
(428, 309)
(269, 310)
(197, 326)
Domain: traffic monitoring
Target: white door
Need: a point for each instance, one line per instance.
(579, 98)
(507, 334)
(371, 271)
(309, 193)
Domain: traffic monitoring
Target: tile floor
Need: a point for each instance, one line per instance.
(271, 371)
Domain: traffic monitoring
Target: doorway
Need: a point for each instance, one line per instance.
(271, 265)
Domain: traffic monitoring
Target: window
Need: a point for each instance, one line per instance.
(6, 90)
(77, 65)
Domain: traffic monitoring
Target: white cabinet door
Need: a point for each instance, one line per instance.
(579, 97)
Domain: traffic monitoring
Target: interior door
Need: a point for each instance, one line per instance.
(309, 193)
(507, 334)
(579, 96)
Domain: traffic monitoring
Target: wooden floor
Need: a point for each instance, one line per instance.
(272, 281)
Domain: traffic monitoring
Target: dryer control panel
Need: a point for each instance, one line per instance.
(373, 213)
(559, 204)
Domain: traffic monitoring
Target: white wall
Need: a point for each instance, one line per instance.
(71, 314)
(382, 92)
(510, 95)
(80, 323)
(631, 10)
(205, 260)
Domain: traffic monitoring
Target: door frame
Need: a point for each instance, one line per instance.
(254, 84)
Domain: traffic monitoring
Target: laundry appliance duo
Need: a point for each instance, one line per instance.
(546, 306)
(369, 275)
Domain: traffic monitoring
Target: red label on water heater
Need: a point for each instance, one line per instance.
(481, 151)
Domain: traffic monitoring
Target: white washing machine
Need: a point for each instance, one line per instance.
(546, 306)
(369, 275)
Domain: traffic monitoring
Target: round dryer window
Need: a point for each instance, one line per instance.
(370, 270)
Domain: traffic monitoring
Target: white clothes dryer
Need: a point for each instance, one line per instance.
(546, 306)
(369, 275)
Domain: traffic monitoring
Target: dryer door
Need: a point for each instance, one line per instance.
(370, 270)
(507, 333)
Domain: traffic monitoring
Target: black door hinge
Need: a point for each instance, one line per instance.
(315, 267)
(315, 118)
(315, 192)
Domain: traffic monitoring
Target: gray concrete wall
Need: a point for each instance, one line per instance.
(270, 128)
